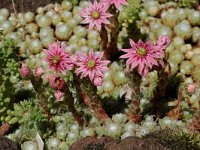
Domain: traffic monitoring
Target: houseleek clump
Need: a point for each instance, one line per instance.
(30, 118)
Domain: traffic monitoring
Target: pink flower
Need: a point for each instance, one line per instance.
(191, 88)
(117, 3)
(92, 66)
(58, 94)
(95, 14)
(38, 71)
(57, 58)
(143, 56)
(56, 82)
(163, 41)
(25, 71)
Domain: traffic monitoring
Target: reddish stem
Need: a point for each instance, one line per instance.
(95, 105)
(39, 89)
(90, 99)
(109, 46)
(134, 110)
(70, 103)
(4, 128)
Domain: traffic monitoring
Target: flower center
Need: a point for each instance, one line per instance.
(141, 51)
(56, 59)
(95, 14)
(91, 63)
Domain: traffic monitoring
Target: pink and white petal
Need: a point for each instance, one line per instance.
(132, 43)
(98, 25)
(97, 81)
(98, 72)
(145, 72)
(91, 74)
(91, 25)
(86, 21)
(91, 54)
(133, 65)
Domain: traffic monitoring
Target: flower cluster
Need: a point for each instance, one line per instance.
(25, 71)
(145, 56)
(92, 65)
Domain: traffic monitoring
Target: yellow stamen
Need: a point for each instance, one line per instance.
(141, 51)
(56, 59)
(91, 63)
(95, 14)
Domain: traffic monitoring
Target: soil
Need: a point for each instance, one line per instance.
(25, 5)
(107, 143)
(6, 144)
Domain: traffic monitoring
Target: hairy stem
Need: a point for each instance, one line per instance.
(39, 89)
(70, 103)
(134, 109)
(90, 98)
(4, 128)
(109, 43)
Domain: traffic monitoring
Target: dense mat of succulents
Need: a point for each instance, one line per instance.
(116, 68)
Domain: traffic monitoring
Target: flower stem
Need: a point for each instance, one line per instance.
(4, 128)
(134, 110)
(160, 93)
(90, 98)
(70, 103)
(39, 89)
(109, 44)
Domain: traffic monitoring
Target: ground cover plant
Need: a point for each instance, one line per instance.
(77, 71)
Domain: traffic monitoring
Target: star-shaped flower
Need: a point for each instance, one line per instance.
(95, 15)
(57, 58)
(143, 56)
(92, 65)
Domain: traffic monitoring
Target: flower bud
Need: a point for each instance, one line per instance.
(38, 71)
(163, 41)
(25, 71)
(191, 88)
(56, 82)
(58, 94)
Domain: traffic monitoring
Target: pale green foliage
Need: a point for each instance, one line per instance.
(30, 117)
(130, 12)
(187, 3)
(9, 74)
(28, 113)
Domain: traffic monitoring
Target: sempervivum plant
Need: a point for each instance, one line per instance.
(145, 57)
(113, 80)
(72, 58)
(30, 118)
